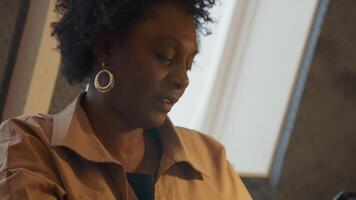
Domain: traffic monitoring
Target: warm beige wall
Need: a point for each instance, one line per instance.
(37, 63)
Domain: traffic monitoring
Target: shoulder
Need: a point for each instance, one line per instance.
(25, 137)
(213, 156)
(25, 154)
(210, 151)
(199, 139)
(37, 126)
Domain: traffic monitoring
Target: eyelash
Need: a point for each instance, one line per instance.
(170, 61)
(190, 67)
(163, 58)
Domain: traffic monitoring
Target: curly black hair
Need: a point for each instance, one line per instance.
(83, 21)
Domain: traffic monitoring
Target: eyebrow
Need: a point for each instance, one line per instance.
(176, 41)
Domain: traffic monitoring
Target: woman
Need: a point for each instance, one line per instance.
(115, 141)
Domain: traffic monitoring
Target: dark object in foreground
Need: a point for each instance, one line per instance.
(345, 195)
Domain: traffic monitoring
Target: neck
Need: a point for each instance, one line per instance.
(105, 117)
(121, 138)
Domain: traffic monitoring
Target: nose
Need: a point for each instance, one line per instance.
(178, 78)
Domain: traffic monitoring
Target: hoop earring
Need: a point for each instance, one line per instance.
(109, 86)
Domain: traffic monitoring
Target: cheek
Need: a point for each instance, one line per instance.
(147, 73)
(151, 78)
(139, 70)
(139, 101)
(139, 79)
(150, 82)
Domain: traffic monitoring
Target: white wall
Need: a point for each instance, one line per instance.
(249, 70)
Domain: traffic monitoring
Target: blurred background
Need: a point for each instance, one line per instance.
(275, 82)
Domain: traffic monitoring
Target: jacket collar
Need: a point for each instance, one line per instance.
(71, 129)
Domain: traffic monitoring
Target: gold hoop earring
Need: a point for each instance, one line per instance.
(107, 87)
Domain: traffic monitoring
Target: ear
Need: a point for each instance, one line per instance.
(103, 48)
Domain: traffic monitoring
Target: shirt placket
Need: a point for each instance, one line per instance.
(121, 183)
(165, 164)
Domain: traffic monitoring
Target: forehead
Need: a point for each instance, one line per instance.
(167, 21)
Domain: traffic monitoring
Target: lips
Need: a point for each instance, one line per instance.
(166, 102)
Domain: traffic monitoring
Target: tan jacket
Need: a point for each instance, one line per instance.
(59, 157)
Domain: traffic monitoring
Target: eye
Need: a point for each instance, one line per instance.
(164, 59)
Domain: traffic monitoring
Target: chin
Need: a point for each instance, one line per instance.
(154, 121)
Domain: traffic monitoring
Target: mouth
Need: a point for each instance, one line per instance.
(166, 102)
